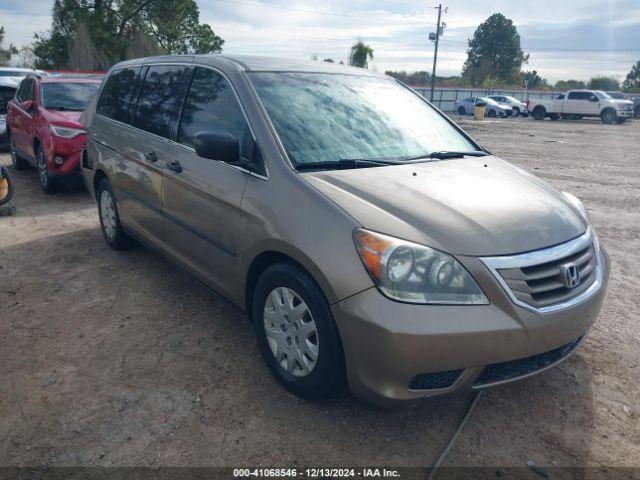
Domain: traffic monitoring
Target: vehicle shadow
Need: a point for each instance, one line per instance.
(121, 358)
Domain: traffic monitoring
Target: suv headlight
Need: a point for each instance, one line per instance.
(413, 273)
(66, 132)
(576, 202)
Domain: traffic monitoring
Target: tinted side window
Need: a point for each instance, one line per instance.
(579, 95)
(159, 98)
(25, 91)
(212, 105)
(118, 93)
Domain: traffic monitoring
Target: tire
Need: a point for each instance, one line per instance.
(620, 121)
(6, 186)
(47, 182)
(525, 114)
(491, 113)
(554, 117)
(637, 111)
(608, 116)
(17, 162)
(289, 356)
(539, 113)
(516, 112)
(462, 110)
(110, 224)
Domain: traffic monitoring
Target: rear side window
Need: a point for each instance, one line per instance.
(159, 98)
(580, 95)
(212, 105)
(118, 94)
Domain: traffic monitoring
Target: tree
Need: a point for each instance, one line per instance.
(534, 81)
(603, 83)
(360, 54)
(632, 82)
(5, 53)
(564, 85)
(109, 31)
(494, 52)
(410, 78)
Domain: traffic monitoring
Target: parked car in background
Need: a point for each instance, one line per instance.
(408, 268)
(576, 104)
(43, 126)
(518, 107)
(632, 97)
(466, 106)
(10, 78)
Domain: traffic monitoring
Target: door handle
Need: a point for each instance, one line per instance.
(175, 166)
(151, 156)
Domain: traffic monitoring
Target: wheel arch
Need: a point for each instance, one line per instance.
(282, 254)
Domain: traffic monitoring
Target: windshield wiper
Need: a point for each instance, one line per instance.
(345, 164)
(445, 154)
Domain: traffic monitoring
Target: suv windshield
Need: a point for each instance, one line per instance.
(331, 117)
(68, 96)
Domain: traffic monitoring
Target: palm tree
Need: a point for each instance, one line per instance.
(360, 55)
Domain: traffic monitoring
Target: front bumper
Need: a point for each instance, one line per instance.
(388, 344)
(625, 113)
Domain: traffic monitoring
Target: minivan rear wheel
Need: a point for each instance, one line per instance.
(296, 332)
(110, 225)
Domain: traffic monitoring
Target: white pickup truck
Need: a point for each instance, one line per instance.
(576, 104)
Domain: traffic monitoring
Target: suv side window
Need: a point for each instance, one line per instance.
(25, 91)
(118, 94)
(212, 105)
(159, 98)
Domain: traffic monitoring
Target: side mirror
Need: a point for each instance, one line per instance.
(594, 99)
(27, 105)
(218, 145)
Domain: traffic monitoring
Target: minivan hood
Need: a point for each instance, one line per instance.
(473, 206)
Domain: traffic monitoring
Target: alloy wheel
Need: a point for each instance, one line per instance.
(108, 213)
(291, 332)
(43, 171)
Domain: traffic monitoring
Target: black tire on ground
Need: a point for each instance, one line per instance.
(637, 111)
(554, 116)
(328, 374)
(18, 162)
(47, 182)
(609, 116)
(516, 112)
(115, 237)
(491, 113)
(525, 114)
(462, 110)
(539, 113)
(621, 120)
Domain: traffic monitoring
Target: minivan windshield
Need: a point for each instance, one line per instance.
(325, 118)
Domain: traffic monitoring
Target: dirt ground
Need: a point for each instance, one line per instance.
(111, 358)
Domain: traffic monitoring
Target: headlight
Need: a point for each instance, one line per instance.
(575, 201)
(413, 273)
(66, 132)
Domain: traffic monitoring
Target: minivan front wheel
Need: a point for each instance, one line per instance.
(296, 333)
(110, 225)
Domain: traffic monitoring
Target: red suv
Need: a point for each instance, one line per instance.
(43, 125)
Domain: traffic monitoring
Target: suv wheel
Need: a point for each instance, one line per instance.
(516, 112)
(296, 333)
(46, 181)
(462, 110)
(17, 162)
(110, 225)
(609, 116)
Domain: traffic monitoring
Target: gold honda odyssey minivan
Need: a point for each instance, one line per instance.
(370, 240)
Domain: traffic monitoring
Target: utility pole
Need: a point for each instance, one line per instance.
(436, 37)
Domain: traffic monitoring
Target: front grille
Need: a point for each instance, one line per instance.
(543, 284)
(501, 372)
(436, 380)
(6, 94)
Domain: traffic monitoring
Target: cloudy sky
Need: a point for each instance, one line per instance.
(565, 38)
